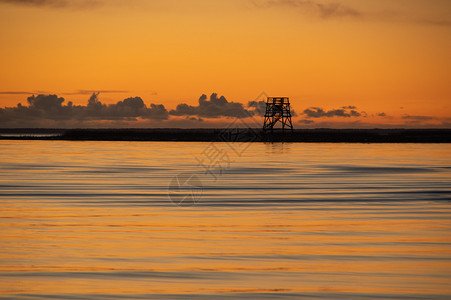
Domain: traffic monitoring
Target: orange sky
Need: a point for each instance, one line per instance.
(380, 56)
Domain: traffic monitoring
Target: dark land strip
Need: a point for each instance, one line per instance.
(234, 135)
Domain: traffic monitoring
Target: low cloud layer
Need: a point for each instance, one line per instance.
(215, 107)
(213, 111)
(312, 113)
(344, 112)
(52, 110)
(44, 108)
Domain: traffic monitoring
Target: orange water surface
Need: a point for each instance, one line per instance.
(103, 220)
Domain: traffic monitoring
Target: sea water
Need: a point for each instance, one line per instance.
(139, 220)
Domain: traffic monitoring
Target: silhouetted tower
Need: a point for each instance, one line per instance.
(277, 110)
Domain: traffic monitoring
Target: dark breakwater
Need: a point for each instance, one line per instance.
(236, 135)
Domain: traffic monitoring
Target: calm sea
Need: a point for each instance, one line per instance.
(139, 220)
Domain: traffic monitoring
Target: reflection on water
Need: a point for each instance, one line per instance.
(93, 220)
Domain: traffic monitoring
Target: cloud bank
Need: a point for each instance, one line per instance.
(344, 111)
(348, 111)
(42, 108)
(214, 111)
(52, 110)
(215, 107)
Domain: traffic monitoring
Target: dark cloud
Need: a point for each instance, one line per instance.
(314, 112)
(345, 112)
(48, 107)
(258, 106)
(213, 108)
(54, 111)
(45, 102)
(156, 112)
(355, 113)
(43, 108)
(322, 10)
(128, 108)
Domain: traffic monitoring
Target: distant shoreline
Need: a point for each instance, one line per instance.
(234, 135)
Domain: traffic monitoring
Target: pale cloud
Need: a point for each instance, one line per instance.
(326, 10)
(56, 3)
(323, 10)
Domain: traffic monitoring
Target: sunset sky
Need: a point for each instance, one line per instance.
(387, 60)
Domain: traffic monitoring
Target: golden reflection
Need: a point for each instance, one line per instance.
(82, 218)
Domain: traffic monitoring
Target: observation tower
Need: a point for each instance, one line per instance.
(277, 110)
